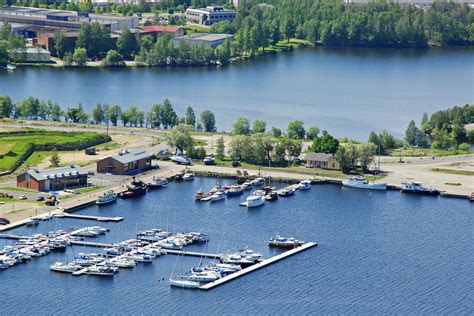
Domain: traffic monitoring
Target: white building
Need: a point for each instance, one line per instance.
(36, 55)
(209, 15)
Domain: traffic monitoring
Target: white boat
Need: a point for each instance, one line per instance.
(363, 183)
(217, 196)
(65, 267)
(418, 188)
(206, 276)
(254, 201)
(304, 185)
(258, 181)
(102, 270)
(282, 242)
(286, 192)
(122, 262)
(158, 182)
(11, 67)
(184, 283)
(181, 160)
(107, 198)
(188, 176)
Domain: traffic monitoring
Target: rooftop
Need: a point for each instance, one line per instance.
(57, 173)
(212, 9)
(317, 157)
(160, 28)
(127, 156)
(208, 37)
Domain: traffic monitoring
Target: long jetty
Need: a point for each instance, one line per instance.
(259, 265)
(95, 218)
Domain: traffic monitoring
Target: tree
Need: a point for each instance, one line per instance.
(241, 126)
(190, 117)
(259, 126)
(168, 115)
(76, 115)
(155, 116)
(411, 134)
(425, 124)
(263, 144)
(295, 130)
(80, 56)
(279, 153)
(56, 112)
(127, 44)
(98, 114)
(208, 120)
(55, 161)
(220, 147)
(29, 108)
(180, 138)
(312, 132)
(325, 144)
(95, 38)
(366, 152)
(236, 147)
(346, 156)
(293, 147)
(115, 113)
(223, 52)
(113, 59)
(60, 44)
(276, 132)
(4, 55)
(6, 106)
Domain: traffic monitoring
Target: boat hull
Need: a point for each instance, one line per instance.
(433, 193)
(374, 186)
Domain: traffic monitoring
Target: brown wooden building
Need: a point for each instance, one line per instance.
(125, 162)
(52, 179)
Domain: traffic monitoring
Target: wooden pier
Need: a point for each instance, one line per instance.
(259, 265)
(193, 254)
(95, 218)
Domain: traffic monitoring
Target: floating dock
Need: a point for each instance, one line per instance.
(95, 218)
(259, 265)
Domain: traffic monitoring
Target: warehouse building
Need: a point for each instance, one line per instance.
(52, 179)
(209, 39)
(125, 162)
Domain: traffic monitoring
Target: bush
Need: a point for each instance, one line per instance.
(464, 147)
(197, 153)
(113, 59)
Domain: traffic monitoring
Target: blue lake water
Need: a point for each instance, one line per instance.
(379, 252)
(347, 91)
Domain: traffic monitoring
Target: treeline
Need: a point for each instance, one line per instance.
(161, 115)
(12, 46)
(376, 24)
(443, 129)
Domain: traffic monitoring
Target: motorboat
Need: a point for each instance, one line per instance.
(65, 267)
(418, 188)
(258, 181)
(250, 254)
(271, 196)
(205, 276)
(226, 268)
(237, 258)
(235, 191)
(217, 196)
(363, 183)
(32, 222)
(107, 198)
(281, 242)
(122, 263)
(184, 283)
(304, 185)
(158, 182)
(286, 192)
(188, 176)
(181, 160)
(102, 270)
(201, 194)
(257, 198)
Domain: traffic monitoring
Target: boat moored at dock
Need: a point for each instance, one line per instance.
(281, 242)
(418, 188)
(363, 183)
(107, 198)
(157, 182)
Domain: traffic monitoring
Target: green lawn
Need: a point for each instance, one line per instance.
(19, 143)
(453, 171)
(15, 189)
(196, 29)
(89, 189)
(426, 152)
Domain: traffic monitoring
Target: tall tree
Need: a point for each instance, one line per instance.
(190, 117)
(241, 126)
(208, 120)
(127, 44)
(295, 130)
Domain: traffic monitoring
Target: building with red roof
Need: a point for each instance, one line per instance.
(154, 30)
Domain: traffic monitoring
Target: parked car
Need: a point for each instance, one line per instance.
(209, 161)
(4, 221)
(22, 197)
(40, 198)
(91, 173)
(236, 164)
(69, 191)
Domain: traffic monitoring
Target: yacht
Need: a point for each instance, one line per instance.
(418, 188)
(65, 267)
(258, 181)
(286, 192)
(281, 242)
(205, 276)
(363, 183)
(217, 196)
(304, 185)
(237, 258)
(158, 182)
(254, 201)
(188, 176)
(184, 283)
(107, 198)
(102, 270)
(123, 262)
(234, 191)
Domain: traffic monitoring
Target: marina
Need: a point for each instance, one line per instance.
(349, 225)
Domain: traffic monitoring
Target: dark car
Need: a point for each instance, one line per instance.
(236, 163)
(40, 198)
(4, 221)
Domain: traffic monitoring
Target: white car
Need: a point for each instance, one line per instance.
(22, 197)
(69, 191)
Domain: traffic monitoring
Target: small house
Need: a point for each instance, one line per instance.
(320, 160)
(125, 162)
